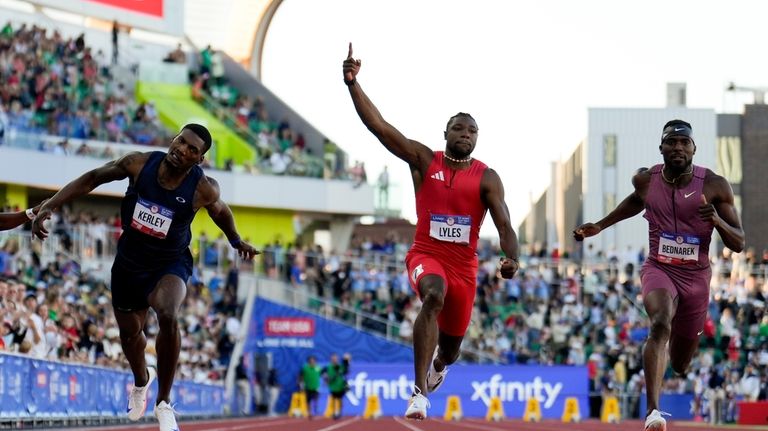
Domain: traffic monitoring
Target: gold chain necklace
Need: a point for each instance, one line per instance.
(678, 177)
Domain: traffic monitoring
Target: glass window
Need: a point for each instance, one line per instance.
(609, 151)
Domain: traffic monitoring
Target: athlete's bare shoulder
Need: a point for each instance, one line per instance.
(130, 163)
(711, 176)
(642, 177)
(716, 185)
(207, 191)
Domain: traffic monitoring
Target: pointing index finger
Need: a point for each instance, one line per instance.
(349, 55)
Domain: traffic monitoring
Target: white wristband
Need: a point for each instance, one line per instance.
(30, 213)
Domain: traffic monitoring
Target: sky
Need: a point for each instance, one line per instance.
(527, 71)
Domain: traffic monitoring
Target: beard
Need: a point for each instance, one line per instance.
(460, 151)
(678, 166)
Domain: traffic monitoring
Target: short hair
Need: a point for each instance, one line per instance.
(201, 133)
(460, 114)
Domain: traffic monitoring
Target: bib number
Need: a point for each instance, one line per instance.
(151, 218)
(678, 249)
(450, 228)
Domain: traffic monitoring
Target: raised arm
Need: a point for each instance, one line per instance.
(416, 154)
(208, 195)
(115, 170)
(719, 209)
(493, 196)
(629, 207)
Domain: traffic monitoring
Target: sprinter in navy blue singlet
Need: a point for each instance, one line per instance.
(156, 235)
(153, 261)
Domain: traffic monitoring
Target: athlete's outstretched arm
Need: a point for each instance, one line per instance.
(12, 220)
(208, 196)
(413, 152)
(720, 211)
(631, 206)
(112, 171)
(493, 197)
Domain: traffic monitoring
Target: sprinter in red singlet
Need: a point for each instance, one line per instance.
(453, 192)
(683, 203)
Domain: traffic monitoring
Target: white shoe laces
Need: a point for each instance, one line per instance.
(417, 394)
(166, 415)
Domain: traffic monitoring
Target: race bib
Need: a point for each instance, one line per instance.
(450, 228)
(151, 218)
(678, 249)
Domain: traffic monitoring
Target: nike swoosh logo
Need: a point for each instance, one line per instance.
(687, 195)
(677, 130)
(700, 332)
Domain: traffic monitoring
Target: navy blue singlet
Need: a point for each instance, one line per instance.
(156, 221)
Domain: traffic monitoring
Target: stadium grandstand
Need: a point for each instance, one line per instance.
(84, 82)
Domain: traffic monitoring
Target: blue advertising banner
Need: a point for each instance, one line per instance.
(13, 389)
(385, 368)
(290, 336)
(475, 385)
(37, 388)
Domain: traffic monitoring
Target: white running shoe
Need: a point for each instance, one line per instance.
(166, 416)
(417, 406)
(655, 421)
(137, 400)
(435, 378)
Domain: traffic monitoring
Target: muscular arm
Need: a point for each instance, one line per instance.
(718, 191)
(12, 220)
(632, 205)
(208, 195)
(128, 165)
(492, 194)
(413, 152)
(416, 154)
(629, 207)
(493, 197)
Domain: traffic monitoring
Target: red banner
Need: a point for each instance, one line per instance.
(149, 7)
(289, 327)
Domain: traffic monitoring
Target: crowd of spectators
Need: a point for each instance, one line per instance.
(61, 311)
(57, 86)
(281, 149)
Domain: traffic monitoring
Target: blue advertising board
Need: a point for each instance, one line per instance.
(385, 368)
(290, 336)
(37, 388)
(475, 385)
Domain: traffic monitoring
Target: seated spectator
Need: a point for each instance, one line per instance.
(176, 56)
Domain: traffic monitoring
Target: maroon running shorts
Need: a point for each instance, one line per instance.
(691, 288)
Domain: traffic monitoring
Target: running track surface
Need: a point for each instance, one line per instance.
(397, 424)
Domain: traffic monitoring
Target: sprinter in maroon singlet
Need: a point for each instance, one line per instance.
(453, 192)
(683, 203)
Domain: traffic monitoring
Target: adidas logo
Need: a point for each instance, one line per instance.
(438, 176)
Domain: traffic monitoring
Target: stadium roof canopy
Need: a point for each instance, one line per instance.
(238, 27)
